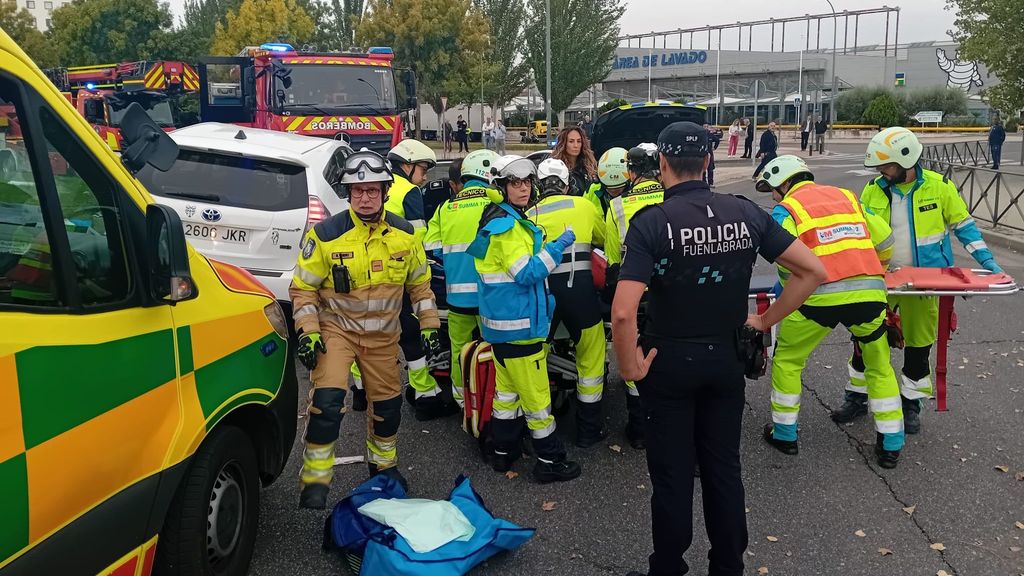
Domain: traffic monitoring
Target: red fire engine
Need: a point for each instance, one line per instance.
(350, 96)
(102, 93)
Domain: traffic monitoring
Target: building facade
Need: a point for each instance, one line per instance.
(787, 83)
(41, 10)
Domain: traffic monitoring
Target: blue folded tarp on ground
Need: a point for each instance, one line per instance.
(389, 554)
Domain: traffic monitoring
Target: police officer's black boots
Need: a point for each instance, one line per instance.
(788, 447)
(560, 470)
(635, 423)
(911, 416)
(589, 430)
(359, 399)
(855, 405)
(314, 496)
(885, 458)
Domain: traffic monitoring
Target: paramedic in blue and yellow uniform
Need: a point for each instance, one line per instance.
(513, 264)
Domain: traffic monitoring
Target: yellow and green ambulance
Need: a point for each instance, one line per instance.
(146, 393)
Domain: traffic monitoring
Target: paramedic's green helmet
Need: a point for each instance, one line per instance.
(612, 170)
(478, 165)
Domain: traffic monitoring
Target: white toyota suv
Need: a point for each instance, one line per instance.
(247, 196)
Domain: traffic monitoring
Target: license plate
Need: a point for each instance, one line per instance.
(217, 233)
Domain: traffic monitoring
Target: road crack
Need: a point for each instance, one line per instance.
(867, 453)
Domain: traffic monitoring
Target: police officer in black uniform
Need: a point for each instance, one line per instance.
(696, 252)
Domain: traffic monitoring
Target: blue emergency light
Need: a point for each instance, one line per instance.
(277, 47)
(90, 85)
(380, 50)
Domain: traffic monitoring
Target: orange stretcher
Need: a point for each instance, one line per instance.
(945, 283)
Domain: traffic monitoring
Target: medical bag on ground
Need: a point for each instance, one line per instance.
(389, 554)
(478, 383)
(346, 531)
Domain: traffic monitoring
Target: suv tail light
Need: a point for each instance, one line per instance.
(315, 213)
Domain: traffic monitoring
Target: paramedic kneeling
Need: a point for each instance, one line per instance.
(696, 252)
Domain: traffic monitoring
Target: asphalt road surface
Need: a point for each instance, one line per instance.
(949, 506)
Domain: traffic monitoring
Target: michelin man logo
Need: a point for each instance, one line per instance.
(959, 74)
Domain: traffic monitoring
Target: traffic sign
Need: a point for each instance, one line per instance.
(444, 102)
(929, 116)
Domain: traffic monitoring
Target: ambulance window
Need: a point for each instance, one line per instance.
(26, 277)
(92, 217)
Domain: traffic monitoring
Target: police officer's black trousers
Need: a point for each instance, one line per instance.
(693, 397)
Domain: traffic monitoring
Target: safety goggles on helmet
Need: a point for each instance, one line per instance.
(518, 168)
(364, 167)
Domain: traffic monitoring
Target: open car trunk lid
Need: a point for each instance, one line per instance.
(628, 126)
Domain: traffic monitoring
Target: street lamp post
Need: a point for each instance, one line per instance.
(832, 99)
(547, 65)
(757, 97)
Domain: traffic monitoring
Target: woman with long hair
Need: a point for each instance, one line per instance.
(573, 148)
(734, 136)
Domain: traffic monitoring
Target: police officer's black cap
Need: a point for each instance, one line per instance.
(684, 139)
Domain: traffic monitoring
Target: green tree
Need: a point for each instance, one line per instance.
(259, 21)
(851, 104)
(883, 111)
(990, 31)
(198, 24)
(951, 101)
(584, 35)
(511, 72)
(20, 24)
(335, 23)
(611, 105)
(101, 31)
(443, 41)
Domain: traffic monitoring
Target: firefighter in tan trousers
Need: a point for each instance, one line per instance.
(346, 295)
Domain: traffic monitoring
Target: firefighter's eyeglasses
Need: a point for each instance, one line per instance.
(372, 193)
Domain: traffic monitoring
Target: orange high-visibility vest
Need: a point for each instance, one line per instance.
(830, 222)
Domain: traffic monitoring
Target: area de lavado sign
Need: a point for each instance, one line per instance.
(664, 59)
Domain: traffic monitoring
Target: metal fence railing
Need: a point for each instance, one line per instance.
(973, 153)
(992, 196)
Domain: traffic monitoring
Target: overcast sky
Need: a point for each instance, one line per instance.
(920, 20)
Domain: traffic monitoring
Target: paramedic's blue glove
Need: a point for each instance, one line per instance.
(991, 266)
(431, 343)
(309, 344)
(565, 240)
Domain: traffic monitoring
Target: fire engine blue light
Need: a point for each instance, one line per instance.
(277, 47)
(380, 50)
(90, 85)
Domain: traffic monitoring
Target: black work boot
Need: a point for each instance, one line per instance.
(588, 424)
(314, 496)
(559, 471)
(788, 447)
(391, 471)
(911, 416)
(635, 423)
(359, 399)
(854, 406)
(886, 458)
(503, 462)
(433, 407)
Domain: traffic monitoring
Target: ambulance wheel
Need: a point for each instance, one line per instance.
(210, 529)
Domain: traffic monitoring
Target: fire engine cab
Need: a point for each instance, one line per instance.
(349, 96)
(102, 93)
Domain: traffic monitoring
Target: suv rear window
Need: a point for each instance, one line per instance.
(230, 181)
